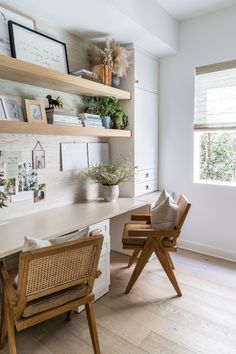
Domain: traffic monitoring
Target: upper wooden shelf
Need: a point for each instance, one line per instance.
(17, 70)
(11, 127)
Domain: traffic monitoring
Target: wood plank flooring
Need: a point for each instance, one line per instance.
(151, 319)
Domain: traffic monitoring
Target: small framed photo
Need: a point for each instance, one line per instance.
(38, 159)
(35, 111)
(3, 115)
(12, 107)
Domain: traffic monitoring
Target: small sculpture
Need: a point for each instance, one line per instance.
(54, 103)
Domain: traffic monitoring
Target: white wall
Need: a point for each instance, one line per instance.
(211, 225)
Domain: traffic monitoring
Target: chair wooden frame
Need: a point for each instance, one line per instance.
(14, 301)
(161, 242)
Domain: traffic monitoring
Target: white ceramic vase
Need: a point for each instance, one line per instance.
(110, 193)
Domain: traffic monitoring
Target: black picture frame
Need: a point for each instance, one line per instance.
(11, 27)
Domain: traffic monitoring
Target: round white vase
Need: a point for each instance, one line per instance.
(110, 193)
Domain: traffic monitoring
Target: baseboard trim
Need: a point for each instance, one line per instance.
(207, 250)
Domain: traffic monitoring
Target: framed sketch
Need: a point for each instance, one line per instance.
(37, 48)
(35, 111)
(12, 108)
(9, 14)
(2, 111)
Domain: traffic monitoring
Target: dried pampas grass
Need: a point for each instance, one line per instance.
(113, 55)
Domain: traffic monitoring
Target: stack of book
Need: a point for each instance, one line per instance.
(86, 74)
(63, 116)
(104, 72)
(90, 120)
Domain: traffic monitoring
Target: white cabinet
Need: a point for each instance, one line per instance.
(145, 71)
(142, 148)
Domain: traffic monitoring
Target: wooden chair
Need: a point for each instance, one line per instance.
(52, 280)
(144, 241)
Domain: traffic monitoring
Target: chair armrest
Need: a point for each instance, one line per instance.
(8, 286)
(141, 217)
(153, 233)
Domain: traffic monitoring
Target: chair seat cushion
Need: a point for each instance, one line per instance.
(54, 300)
(136, 241)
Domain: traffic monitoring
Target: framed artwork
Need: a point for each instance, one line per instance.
(9, 14)
(2, 111)
(38, 155)
(12, 107)
(35, 111)
(37, 48)
(40, 193)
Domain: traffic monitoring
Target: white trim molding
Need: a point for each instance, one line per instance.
(207, 249)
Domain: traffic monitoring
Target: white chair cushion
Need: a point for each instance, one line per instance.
(165, 215)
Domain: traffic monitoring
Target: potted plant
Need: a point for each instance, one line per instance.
(110, 176)
(109, 109)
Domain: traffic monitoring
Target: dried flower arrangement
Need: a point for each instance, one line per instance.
(113, 55)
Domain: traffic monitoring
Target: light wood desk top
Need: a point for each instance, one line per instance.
(58, 221)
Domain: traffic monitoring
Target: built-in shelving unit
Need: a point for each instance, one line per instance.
(10, 127)
(17, 70)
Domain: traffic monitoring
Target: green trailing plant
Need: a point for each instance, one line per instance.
(108, 106)
(3, 199)
(111, 174)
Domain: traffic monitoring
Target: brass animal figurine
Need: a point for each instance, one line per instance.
(54, 103)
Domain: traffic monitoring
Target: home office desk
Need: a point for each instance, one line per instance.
(62, 220)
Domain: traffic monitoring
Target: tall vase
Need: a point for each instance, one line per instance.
(110, 193)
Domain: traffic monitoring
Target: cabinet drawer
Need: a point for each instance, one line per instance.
(103, 226)
(145, 175)
(104, 280)
(145, 187)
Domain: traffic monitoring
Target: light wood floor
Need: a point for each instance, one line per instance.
(151, 319)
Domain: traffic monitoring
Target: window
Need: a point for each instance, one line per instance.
(215, 124)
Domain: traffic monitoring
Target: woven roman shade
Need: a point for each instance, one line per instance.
(215, 96)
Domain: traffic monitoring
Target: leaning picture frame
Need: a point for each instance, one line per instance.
(37, 48)
(10, 14)
(12, 106)
(35, 111)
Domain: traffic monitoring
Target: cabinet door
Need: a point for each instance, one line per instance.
(146, 72)
(146, 129)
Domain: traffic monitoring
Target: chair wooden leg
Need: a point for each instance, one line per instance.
(3, 328)
(161, 254)
(92, 327)
(133, 257)
(142, 261)
(11, 338)
(170, 260)
(69, 315)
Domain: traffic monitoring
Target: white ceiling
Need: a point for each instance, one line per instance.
(185, 9)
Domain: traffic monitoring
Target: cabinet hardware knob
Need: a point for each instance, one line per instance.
(147, 187)
(147, 175)
(137, 81)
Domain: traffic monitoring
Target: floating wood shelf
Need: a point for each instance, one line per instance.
(10, 127)
(17, 70)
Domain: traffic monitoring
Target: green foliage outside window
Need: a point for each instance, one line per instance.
(218, 156)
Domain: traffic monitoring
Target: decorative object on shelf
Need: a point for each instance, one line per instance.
(54, 102)
(115, 81)
(37, 48)
(86, 74)
(104, 73)
(35, 111)
(3, 200)
(108, 107)
(3, 115)
(40, 193)
(63, 116)
(9, 14)
(112, 55)
(38, 156)
(110, 176)
(11, 105)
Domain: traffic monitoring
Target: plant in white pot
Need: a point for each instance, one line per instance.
(110, 176)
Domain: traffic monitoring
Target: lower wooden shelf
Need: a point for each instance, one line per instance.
(10, 127)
